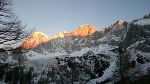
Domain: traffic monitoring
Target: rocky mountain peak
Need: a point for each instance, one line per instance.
(34, 39)
(119, 22)
(60, 34)
(83, 30)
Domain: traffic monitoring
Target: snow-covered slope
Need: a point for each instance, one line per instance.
(143, 22)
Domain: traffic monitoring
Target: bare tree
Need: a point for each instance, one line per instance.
(11, 28)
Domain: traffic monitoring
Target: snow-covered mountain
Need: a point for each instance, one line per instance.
(118, 53)
(111, 36)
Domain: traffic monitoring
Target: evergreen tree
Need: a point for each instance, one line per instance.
(123, 64)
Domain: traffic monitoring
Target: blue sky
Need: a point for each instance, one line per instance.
(51, 16)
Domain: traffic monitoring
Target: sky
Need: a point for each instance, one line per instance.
(52, 16)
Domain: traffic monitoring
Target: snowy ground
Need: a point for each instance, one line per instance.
(43, 61)
(108, 73)
(31, 55)
(103, 49)
(143, 22)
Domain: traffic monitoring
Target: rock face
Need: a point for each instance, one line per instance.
(34, 40)
(39, 37)
(120, 22)
(83, 30)
(60, 34)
